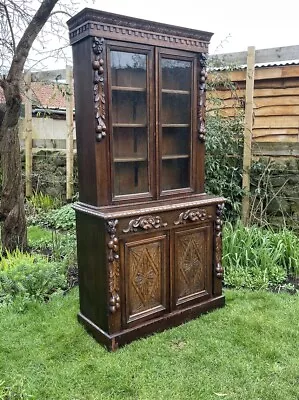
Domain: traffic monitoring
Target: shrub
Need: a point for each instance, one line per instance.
(224, 158)
(29, 277)
(224, 140)
(61, 219)
(58, 246)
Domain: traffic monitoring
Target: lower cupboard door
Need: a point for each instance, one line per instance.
(145, 270)
(192, 280)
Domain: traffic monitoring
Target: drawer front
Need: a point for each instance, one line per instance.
(145, 270)
(192, 264)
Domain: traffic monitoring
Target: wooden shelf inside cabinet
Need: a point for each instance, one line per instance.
(130, 159)
(175, 125)
(175, 156)
(123, 125)
(128, 89)
(173, 91)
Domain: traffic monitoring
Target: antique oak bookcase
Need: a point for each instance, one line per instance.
(149, 238)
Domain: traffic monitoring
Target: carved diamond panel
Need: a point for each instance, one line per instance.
(191, 263)
(145, 276)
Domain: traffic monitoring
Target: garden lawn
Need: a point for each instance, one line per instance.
(247, 350)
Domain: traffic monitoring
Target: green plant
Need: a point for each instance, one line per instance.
(29, 277)
(259, 258)
(15, 259)
(224, 141)
(43, 202)
(60, 219)
(58, 246)
(224, 150)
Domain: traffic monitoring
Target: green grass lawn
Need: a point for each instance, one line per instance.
(247, 350)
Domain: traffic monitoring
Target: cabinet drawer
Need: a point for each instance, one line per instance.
(145, 271)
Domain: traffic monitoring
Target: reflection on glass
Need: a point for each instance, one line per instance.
(176, 123)
(176, 74)
(129, 121)
(175, 108)
(128, 69)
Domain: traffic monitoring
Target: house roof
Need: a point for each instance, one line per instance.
(46, 95)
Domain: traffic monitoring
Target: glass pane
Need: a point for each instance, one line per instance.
(176, 123)
(176, 74)
(130, 122)
(129, 107)
(128, 69)
(175, 173)
(175, 108)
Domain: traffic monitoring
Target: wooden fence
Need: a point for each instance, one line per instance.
(267, 86)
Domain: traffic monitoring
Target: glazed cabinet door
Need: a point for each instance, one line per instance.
(192, 280)
(176, 99)
(131, 119)
(145, 270)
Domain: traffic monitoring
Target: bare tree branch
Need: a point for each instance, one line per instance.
(30, 34)
(61, 12)
(10, 27)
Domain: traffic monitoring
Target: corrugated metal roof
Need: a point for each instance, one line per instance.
(257, 65)
(272, 64)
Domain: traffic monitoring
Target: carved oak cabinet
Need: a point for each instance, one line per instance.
(149, 238)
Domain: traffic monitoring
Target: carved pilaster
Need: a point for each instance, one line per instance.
(98, 88)
(218, 241)
(145, 222)
(202, 97)
(193, 215)
(113, 266)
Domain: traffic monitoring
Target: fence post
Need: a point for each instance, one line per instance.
(70, 134)
(28, 135)
(248, 125)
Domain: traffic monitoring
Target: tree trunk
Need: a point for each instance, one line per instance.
(12, 212)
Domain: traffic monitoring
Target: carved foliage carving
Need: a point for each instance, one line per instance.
(145, 222)
(98, 89)
(145, 277)
(113, 266)
(195, 214)
(218, 241)
(191, 264)
(202, 97)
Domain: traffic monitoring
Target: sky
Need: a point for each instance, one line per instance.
(236, 24)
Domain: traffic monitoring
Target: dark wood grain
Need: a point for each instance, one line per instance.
(192, 263)
(145, 272)
(83, 57)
